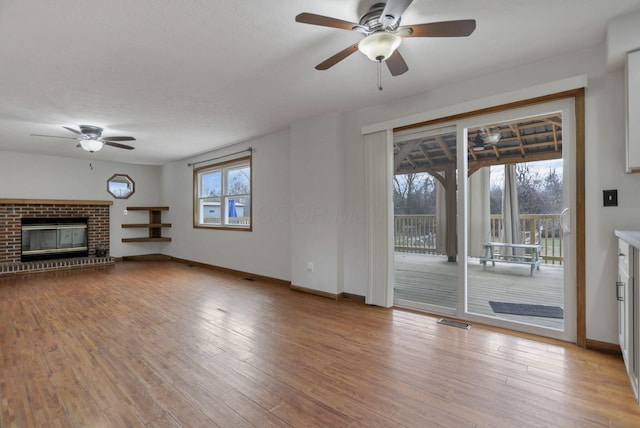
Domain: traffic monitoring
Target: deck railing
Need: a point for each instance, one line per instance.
(417, 234)
(232, 220)
(543, 229)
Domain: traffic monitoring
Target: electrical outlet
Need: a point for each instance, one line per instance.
(126, 212)
(310, 267)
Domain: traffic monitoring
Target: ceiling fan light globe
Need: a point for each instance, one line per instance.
(380, 45)
(91, 145)
(492, 138)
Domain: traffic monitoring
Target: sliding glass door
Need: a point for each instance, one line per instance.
(518, 210)
(426, 274)
(493, 244)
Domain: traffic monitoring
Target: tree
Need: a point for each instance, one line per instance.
(495, 199)
(553, 192)
(414, 193)
(536, 194)
(239, 181)
(530, 198)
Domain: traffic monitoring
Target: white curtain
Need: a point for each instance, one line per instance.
(510, 208)
(479, 212)
(379, 214)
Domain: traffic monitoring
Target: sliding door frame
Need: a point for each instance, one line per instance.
(578, 95)
(565, 107)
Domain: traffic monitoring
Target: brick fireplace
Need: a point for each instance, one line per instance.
(12, 211)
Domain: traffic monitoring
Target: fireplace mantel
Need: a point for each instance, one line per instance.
(52, 202)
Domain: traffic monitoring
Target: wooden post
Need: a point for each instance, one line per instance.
(452, 215)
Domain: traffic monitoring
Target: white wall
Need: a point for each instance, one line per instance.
(265, 250)
(316, 203)
(605, 156)
(51, 177)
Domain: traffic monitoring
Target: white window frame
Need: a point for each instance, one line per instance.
(223, 168)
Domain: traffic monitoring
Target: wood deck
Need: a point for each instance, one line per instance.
(161, 344)
(433, 280)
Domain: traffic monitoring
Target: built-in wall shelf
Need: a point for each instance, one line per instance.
(161, 239)
(155, 225)
(126, 226)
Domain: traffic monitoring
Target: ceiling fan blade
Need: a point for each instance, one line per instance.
(324, 21)
(396, 64)
(53, 136)
(461, 28)
(330, 62)
(118, 145)
(72, 130)
(118, 139)
(392, 12)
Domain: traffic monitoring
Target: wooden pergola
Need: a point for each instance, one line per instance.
(524, 140)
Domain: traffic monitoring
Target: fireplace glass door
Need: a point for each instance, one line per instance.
(55, 239)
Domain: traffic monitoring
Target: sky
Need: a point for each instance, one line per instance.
(543, 168)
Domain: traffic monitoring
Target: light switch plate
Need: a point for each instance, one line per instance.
(610, 198)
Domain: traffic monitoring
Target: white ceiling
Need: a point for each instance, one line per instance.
(184, 77)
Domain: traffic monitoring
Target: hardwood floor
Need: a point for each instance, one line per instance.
(161, 344)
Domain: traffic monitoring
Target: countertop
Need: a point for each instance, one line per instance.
(631, 236)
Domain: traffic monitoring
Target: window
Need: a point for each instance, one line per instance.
(120, 186)
(222, 195)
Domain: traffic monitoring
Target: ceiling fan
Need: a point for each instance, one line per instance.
(90, 138)
(486, 138)
(383, 33)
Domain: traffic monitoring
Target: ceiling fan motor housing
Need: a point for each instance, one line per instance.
(90, 131)
(373, 21)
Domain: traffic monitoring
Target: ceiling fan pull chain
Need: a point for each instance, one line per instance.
(380, 74)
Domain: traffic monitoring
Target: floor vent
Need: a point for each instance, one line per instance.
(454, 323)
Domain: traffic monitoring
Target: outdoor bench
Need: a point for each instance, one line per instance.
(512, 253)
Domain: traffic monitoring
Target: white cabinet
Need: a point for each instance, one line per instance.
(623, 288)
(627, 296)
(633, 111)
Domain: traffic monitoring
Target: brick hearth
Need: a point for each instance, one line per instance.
(12, 210)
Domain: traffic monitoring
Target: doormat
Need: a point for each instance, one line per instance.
(525, 309)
